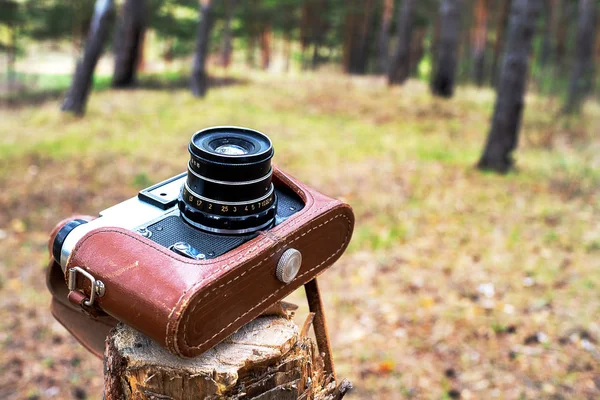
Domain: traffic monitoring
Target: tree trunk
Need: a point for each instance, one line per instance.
(226, 47)
(268, 359)
(417, 49)
(350, 22)
(141, 63)
(356, 43)
(582, 73)
(265, 46)
(77, 96)
(562, 35)
(500, 35)
(313, 28)
(384, 35)
(315, 57)
(306, 30)
(445, 69)
(400, 64)
(435, 43)
(547, 42)
(464, 49)
(362, 54)
(251, 52)
(287, 51)
(11, 61)
(199, 75)
(128, 42)
(508, 111)
(479, 41)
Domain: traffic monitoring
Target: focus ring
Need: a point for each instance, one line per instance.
(227, 224)
(234, 209)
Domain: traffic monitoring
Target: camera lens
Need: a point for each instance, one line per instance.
(228, 189)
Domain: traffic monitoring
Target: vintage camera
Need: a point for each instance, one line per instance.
(192, 259)
(224, 199)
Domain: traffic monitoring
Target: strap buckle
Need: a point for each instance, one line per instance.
(98, 288)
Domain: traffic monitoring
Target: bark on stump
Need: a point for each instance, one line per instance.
(269, 358)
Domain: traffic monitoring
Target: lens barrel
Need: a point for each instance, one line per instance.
(228, 189)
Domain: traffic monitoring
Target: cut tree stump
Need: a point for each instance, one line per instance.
(269, 358)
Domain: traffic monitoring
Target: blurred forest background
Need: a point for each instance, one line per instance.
(459, 282)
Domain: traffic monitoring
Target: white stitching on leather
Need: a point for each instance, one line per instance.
(266, 298)
(258, 246)
(174, 343)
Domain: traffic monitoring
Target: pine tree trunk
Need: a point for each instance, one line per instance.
(315, 57)
(464, 49)
(480, 41)
(251, 52)
(582, 72)
(384, 35)
(508, 111)
(500, 35)
(287, 51)
(435, 44)
(11, 71)
(447, 51)
(313, 30)
(356, 43)
(350, 22)
(417, 49)
(400, 64)
(76, 98)
(547, 45)
(362, 52)
(562, 34)
(265, 46)
(199, 76)
(226, 47)
(128, 42)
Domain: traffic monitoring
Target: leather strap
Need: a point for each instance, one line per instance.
(315, 305)
(89, 328)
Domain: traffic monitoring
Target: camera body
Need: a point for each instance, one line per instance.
(190, 260)
(155, 215)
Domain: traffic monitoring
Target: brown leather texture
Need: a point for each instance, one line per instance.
(189, 306)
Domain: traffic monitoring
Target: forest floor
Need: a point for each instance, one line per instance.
(457, 283)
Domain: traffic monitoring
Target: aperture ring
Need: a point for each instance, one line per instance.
(223, 208)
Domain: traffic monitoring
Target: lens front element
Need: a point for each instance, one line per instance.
(229, 189)
(231, 150)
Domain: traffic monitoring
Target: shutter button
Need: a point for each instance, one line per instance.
(288, 265)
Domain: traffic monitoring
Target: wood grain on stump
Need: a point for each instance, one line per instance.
(269, 358)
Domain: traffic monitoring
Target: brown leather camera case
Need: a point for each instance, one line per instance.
(189, 306)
